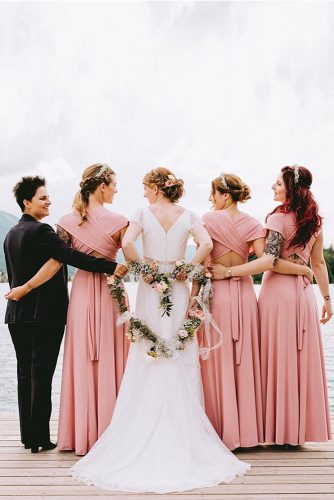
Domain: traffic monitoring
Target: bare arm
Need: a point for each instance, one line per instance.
(204, 247)
(46, 272)
(195, 286)
(319, 269)
(128, 242)
(283, 266)
(272, 250)
(204, 244)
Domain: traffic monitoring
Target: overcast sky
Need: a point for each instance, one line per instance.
(198, 87)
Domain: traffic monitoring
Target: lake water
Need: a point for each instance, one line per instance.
(8, 397)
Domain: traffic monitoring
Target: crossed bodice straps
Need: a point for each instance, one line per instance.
(231, 234)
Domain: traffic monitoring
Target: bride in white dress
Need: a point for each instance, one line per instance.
(160, 439)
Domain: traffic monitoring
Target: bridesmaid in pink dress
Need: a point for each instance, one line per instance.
(231, 375)
(95, 348)
(292, 364)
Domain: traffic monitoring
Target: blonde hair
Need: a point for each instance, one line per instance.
(92, 177)
(232, 184)
(171, 187)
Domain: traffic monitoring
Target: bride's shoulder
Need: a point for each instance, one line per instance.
(137, 215)
(193, 217)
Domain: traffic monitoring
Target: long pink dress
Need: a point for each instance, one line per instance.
(95, 348)
(231, 375)
(293, 371)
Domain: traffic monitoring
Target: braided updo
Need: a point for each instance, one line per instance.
(233, 185)
(171, 187)
(92, 177)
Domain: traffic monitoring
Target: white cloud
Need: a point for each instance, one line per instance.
(196, 86)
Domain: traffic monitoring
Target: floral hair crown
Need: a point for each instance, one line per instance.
(102, 170)
(296, 173)
(171, 181)
(223, 180)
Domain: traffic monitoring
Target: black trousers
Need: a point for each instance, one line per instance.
(37, 348)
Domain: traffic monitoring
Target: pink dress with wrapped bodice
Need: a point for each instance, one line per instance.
(95, 348)
(293, 371)
(231, 375)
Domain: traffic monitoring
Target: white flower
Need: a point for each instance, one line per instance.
(124, 318)
(163, 286)
(183, 334)
(179, 263)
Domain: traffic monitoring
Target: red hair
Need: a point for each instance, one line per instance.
(301, 202)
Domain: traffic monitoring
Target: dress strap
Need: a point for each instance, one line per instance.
(236, 316)
(301, 285)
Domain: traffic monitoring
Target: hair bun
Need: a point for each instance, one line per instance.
(171, 187)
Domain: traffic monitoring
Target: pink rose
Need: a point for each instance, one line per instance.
(157, 287)
(110, 280)
(196, 313)
(169, 183)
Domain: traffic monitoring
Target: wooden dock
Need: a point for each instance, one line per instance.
(304, 474)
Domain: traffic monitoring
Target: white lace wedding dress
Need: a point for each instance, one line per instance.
(160, 439)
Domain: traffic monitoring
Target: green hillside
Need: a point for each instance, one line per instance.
(6, 222)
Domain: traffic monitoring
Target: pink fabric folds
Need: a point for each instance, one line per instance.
(229, 234)
(95, 348)
(231, 375)
(96, 234)
(294, 384)
(236, 316)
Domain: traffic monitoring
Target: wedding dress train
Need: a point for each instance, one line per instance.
(160, 439)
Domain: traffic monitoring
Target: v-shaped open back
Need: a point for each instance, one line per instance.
(166, 231)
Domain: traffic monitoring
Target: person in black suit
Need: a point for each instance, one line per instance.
(36, 322)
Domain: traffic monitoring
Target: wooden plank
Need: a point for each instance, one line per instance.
(35, 470)
(178, 496)
(23, 454)
(40, 461)
(82, 490)
(303, 474)
(284, 454)
(39, 464)
(66, 479)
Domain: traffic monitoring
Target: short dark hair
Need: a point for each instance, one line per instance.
(26, 188)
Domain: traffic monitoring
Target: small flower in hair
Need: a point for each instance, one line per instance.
(296, 173)
(170, 181)
(223, 180)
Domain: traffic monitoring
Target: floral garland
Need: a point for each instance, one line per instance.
(163, 283)
(138, 329)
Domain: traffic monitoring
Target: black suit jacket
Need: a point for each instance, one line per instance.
(28, 245)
